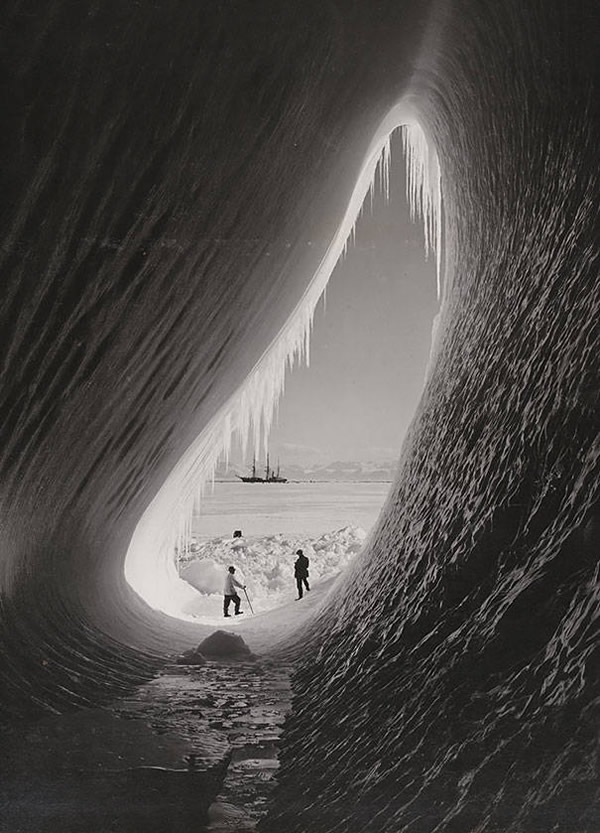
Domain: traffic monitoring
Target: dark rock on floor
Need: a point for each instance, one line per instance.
(225, 645)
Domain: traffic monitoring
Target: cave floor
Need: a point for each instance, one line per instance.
(231, 714)
(193, 750)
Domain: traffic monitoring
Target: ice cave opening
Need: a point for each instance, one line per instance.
(151, 567)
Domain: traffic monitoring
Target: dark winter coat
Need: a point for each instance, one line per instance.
(301, 567)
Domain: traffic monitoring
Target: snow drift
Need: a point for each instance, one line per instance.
(265, 565)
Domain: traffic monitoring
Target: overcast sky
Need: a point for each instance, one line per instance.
(369, 347)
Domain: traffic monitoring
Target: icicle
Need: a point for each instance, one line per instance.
(423, 191)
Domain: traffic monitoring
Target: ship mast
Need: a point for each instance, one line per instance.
(267, 475)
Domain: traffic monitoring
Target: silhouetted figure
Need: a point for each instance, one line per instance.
(231, 594)
(237, 533)
(301, 572)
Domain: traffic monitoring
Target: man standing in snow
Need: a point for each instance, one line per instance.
(301, 572)
(230, 593)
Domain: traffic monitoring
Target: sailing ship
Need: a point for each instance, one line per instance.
(254, 478)
(270, 475)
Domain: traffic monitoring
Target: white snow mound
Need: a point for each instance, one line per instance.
(265, 565)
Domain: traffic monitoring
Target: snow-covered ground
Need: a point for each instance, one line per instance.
(293, 509)
(265, 565)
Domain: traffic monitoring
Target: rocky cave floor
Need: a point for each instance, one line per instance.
(230, 712)
(193, 750)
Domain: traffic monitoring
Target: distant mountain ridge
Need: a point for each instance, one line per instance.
(339, 471)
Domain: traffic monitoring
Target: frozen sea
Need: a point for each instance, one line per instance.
(288, 508)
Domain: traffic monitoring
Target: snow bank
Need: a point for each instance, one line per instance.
(265, 565)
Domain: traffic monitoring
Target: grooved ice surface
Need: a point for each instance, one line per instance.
(453, 683)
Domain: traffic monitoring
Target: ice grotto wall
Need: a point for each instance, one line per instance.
(453, 683)
(174, 174)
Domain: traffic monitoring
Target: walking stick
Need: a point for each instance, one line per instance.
(249, 602)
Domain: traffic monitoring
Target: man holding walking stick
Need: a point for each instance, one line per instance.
(230, 593)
